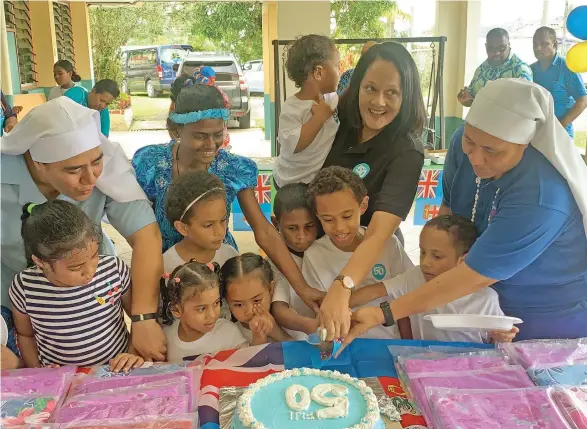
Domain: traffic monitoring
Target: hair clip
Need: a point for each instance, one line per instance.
(176, 279)
(211, 266)
(166, 275)
(31, 207)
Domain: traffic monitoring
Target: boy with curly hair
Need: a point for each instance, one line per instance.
(308, 121)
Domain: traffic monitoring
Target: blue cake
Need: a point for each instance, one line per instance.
(304, 398)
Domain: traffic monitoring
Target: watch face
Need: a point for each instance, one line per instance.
(348, 282)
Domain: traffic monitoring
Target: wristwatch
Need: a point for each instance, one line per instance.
(347, 282)
(141, 317)
(387, 314)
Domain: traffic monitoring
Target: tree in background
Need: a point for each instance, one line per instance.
(362, 19)
(234, 27)
(113, 27)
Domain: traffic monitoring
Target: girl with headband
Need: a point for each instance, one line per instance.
(199, 119)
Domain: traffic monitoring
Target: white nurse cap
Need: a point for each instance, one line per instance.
(522, 112)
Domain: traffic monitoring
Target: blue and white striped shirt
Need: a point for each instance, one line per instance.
(81, 325)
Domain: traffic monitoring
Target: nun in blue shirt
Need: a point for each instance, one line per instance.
(514, 171)
(99, 98)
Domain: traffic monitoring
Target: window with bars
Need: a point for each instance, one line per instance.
(18, 18)
(63, 31)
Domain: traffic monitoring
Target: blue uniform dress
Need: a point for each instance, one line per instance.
(565, 86)
(153, 166)
(80, 95)
(532, 240)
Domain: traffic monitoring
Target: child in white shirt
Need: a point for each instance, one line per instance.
(298, 226)
(247, 285)
(308, 121)
(196, 206)
(340, 198)
(192, 301)
(444, 243)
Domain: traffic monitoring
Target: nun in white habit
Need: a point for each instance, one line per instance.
(513, 170)
(57, 151)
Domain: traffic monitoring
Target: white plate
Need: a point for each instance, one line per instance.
(472, 322)
(3, 331)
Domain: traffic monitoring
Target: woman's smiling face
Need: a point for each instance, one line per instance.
(201, 140)
(380, 95)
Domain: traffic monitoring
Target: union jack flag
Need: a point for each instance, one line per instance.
(429, 181)
(263, 190)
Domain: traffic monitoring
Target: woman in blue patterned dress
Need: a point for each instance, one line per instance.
(198, 127)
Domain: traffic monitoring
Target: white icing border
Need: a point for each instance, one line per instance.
(245, 413)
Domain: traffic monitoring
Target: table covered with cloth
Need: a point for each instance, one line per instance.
(365, 358)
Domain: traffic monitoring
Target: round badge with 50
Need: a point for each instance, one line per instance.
(379, 271)
(362, 170)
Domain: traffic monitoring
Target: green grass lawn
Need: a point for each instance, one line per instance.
(150, 109)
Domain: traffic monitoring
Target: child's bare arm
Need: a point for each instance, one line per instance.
(287, 318)
(26, 339)
(9, 360)
(320, 114)
(367, 294)
(405, 328)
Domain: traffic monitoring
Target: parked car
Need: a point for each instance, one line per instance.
(255, 76)
(229, 78)
(150, 68)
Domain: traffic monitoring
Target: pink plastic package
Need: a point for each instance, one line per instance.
(467, 362)
(187, 421)
(37, 381)
(494, 409)
(104, 381)
(539, 353)
(162, 406)
(126, 394)
(572, 404)
(512, 376)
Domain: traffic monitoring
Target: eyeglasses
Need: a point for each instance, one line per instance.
(497, 49)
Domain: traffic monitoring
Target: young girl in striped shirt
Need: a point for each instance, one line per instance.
(68, 305)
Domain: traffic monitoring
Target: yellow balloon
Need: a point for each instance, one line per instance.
(577, 58)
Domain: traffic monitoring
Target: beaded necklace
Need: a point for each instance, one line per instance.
(474, 211)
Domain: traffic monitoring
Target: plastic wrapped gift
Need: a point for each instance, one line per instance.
(187, 421)
(490, 379)
(468, 362)
(162, 406)
(37, 381)
(572, 403)
(570, 375)
(538, 353)
(18, 411)
(494, 409)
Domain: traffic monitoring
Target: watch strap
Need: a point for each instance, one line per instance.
(141, 317)
(341, 278)
(387, 314)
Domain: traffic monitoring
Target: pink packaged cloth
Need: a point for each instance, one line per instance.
(539, 353)
(572, 403)
(188, 421)
(89, 384)
(162, 406)
(494, 409)
(490, 379)
(448, 364)
(37, 381)
(124, 395)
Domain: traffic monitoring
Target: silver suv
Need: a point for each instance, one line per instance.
(229, 78)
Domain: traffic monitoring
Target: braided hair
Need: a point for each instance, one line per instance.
(186, 281)
(240, 265)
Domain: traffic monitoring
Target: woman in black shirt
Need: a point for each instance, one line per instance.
(382, 118)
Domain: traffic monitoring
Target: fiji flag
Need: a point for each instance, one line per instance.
(263, 194)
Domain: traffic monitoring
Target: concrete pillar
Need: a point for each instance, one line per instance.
(269, 34)
(5, 77)
(44, 42)
(82, 45)
(286, 20)
(459, 21)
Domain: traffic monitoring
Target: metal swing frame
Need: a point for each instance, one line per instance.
(437, 141)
